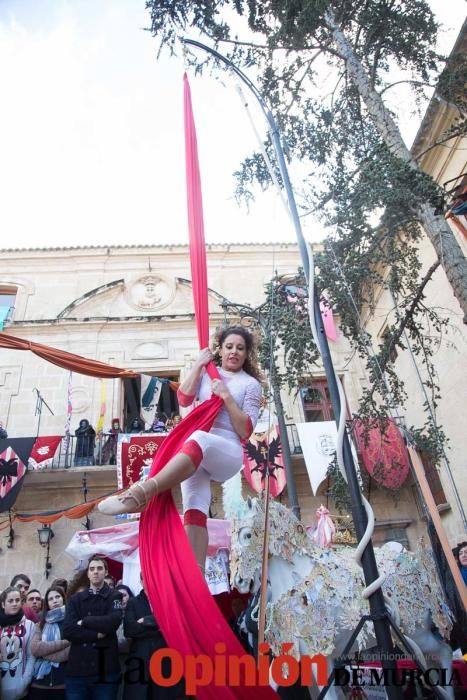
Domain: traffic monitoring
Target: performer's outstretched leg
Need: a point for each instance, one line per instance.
(135, 499)
(199, 541)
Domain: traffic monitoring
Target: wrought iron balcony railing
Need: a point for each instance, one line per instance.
(102, 450)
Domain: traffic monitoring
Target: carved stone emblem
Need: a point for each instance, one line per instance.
(80, 399)
(150, 292)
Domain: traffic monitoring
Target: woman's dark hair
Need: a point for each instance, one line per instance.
(79, 582)
(251, 363)
(457, 549)
(45, 607)
(4, 595)
(61, 583)
(123, 587)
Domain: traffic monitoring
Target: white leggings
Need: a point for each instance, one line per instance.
(222, 458)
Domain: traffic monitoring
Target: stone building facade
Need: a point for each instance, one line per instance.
(132, 307)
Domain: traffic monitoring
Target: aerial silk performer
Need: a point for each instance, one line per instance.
(189, 618)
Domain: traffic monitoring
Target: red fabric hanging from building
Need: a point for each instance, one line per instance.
(66, 360)
(189, 618)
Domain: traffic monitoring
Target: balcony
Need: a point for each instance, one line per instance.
(75, 467)
(72, 454)
(81, 452)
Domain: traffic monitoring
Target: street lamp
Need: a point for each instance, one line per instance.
(45, 534)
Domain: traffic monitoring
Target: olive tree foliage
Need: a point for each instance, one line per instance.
(327, 70)
(287, 351)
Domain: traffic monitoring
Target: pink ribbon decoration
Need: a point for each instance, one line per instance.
(328, 320)
(325, 529)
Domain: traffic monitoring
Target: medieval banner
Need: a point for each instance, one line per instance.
(263, 455)
(318, 443)
(43, 452)
(150, 393)
(14, 455)
(383, 451)
(134, 452)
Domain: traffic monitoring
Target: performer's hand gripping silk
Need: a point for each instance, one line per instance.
(216, 455)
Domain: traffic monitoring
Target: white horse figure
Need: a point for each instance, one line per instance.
(315, 597)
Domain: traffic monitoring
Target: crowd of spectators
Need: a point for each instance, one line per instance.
(91, 639)
(87, 640)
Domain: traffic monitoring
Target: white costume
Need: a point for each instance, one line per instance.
(16, 659)
(221, 447)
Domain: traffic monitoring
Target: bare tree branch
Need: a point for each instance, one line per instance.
(395, 337)
(410, 82)
(300, 81)
(454, 135)
(250, 44)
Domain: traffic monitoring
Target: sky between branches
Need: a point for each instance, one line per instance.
(91, 132)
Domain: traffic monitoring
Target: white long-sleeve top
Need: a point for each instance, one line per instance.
(245, 390)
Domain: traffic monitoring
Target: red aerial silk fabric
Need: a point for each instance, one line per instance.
(195, 221)
(189, 618)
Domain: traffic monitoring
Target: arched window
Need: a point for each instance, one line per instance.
(7, 303)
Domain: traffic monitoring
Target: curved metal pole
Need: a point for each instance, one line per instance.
(276, 142)
(232, 67)
(370, 569)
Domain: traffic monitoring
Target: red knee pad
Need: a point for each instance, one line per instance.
(185, 399)
(192, 450)
(195, 517)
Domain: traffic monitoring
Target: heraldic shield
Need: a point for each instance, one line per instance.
(263, 455)
(14, 455)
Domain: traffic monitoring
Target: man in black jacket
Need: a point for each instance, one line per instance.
(142, 629)
(92, 618)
